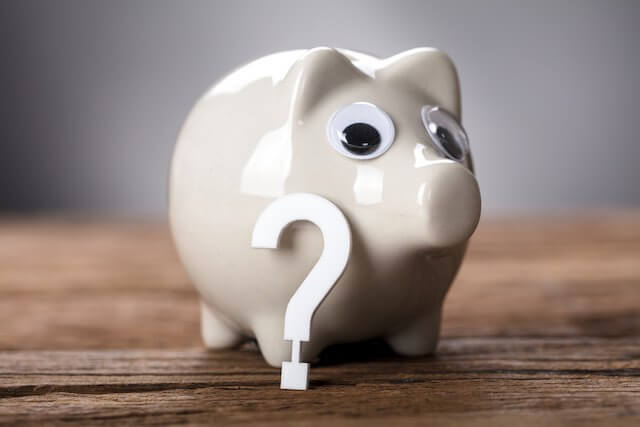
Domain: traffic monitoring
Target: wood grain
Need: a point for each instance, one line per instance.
(99, 325)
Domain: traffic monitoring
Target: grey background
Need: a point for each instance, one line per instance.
(94, 93)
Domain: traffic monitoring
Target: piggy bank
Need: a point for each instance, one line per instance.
(379, 138)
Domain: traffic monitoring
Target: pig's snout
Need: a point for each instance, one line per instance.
(450, 199)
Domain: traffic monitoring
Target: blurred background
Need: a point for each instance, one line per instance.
(94, 93)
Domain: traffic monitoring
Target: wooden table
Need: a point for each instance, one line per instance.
(98, 324)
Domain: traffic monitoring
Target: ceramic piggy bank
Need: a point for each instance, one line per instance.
(379, 138)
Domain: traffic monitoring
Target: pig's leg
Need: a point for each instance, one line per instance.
(216, 334)
(269, 334)
(418, 338)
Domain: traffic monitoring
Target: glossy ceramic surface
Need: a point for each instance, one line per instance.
(265, 131)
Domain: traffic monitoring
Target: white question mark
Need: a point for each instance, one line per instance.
(320, 280)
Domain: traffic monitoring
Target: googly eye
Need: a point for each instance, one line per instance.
(360, 131)
(445, 132)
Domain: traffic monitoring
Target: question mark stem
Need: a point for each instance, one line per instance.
(295, 351)
(320, 280)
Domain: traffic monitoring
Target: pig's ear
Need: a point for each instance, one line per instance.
(319, 73)
(429, 71)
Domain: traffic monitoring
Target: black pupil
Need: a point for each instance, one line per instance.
(360, 138)
(449, 143)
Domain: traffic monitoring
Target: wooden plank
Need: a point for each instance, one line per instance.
(559, 276)
(88, 284)
(579, 379)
